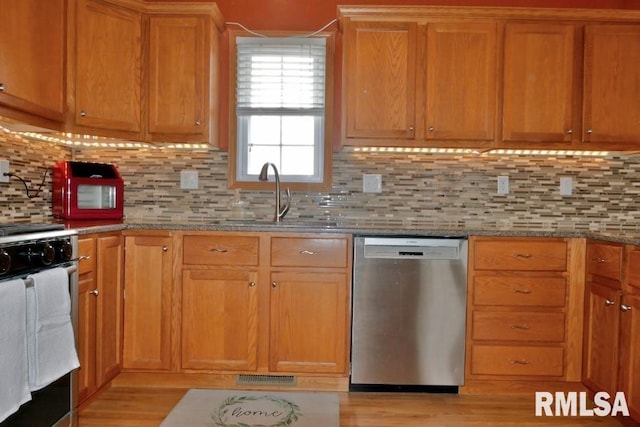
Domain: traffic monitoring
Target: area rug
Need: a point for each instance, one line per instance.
(235, 408)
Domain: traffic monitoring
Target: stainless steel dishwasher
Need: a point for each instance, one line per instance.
(409, 311)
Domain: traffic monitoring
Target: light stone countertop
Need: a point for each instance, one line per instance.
(377, 227)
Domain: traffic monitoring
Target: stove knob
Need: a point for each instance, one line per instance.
(5, 261)
(47, 254)
(65, 251)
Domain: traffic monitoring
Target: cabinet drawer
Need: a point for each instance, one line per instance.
(604, 260)
(516, 360)
(308, 252)
(220, 250)
(86, 255)
(518, 326)
(521, 255)
(520, 291)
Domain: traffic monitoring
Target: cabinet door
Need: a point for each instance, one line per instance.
(461, 81)
(600, 356)
(380, 74)
(179, 81)
(611, 111)
(630, 353)
(86, 328)
(219, 319)
(538, 82)
(32, 43)
(308, 322)
(107, 66)
(147, 306)
(109, 310)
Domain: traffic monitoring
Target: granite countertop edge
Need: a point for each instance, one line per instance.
(618, 236)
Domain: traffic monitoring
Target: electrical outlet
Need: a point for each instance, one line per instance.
(189, 180)
(566, 186)
(503, 184)
(4, 168)
(371, 183)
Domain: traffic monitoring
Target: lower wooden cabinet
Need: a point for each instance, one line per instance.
(220, 319)
(308, 322)
(100, 304)
(148, 300)
(267, 304)
(524, 312)
(611, 359)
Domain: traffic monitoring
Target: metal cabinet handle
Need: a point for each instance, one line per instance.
(431, 129)
(521, 291)
(519, 362)
(306, 252)
(625, 308)
(522, 327)
(165, 249)
(83, 113)
(1, 87)
(608, 302)
(198, 122)
(569, 131)
(411, 128)
(525, 256)
(84, 257)
(589, 131)
(220, 250)
(274, 284)
(94, 292)
(599, 260)
(252, 284)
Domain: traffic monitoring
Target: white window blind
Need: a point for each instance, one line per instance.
(280, 106)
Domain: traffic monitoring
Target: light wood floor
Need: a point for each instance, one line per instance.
(141, 407)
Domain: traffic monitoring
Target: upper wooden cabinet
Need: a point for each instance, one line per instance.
(179, 79)
(411, 82)
(144, 71)
(460, 75)
(32, 72)
(611, 111)
(538, 83)
(107, 66)
(487, 78)
(380, 73)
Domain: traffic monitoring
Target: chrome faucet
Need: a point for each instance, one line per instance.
(280, 211)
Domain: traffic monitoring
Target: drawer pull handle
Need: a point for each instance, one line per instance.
(625, 308)
(252, 284)
(306, 252)
(608, 302)
(519, 362)
(219, 250)
(599, 260)
(84, 257)
(274, 284)
(94, 292)
(521, 291)
(522, 327)
(165, 248)
(525, 256)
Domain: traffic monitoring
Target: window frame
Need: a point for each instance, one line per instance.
(232, 179)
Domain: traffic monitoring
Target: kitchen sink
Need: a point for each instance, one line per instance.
(252, 222)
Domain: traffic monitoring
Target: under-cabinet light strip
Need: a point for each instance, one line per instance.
(91, 141)
(501, 151)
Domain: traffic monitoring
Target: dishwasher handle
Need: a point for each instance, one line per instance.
(412, 248)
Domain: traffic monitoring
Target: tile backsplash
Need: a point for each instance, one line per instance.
(456, 191)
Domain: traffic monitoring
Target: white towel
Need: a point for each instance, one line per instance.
(50, 339)
(14, 380)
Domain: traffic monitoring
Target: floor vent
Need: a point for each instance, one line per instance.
(266, 380)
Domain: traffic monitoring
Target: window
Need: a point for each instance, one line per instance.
(281, 113)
